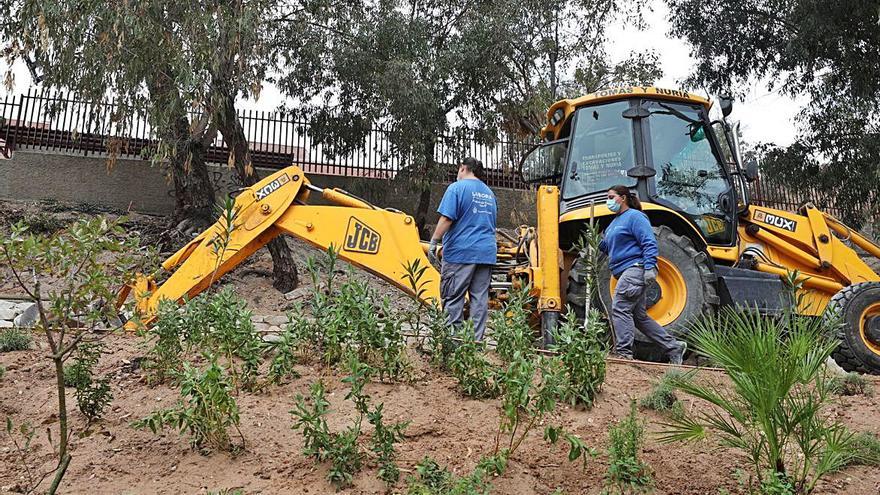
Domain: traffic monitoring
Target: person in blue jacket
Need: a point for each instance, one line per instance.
(632, 251)
(467, 229)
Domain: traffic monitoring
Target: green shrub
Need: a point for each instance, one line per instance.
(287, 349)
(851, 383)
(774, 412)
(582, 350)
(14, 339)
(206, 409)
(511, 329)
(92, 394)
(352, 320)
(218, 323)
(342, 449)
(477, 377)
(382, 444)
(626, 472)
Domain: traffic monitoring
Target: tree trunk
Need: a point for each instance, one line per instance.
(424, 178)
(285, 276)
(193, 192)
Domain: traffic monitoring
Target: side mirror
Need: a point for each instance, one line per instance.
(726, 103)
(751, 171)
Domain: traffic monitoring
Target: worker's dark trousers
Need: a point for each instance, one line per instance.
(628, 313)
(458, 279)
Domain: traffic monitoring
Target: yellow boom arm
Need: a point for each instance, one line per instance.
(382, 242)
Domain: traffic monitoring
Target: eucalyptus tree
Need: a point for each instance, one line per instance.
(184, 63)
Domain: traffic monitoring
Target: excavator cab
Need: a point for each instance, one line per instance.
(666, 150)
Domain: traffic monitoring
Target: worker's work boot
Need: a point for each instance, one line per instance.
(627, 357)
(676, 356)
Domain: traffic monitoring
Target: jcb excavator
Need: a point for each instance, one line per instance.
(715, 248)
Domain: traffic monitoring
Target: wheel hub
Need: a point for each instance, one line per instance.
(653, 293)
(872, 329)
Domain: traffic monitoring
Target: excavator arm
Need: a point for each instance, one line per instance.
(381, 241)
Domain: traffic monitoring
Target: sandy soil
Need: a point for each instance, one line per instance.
(112, 457)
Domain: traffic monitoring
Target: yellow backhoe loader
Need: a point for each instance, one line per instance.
(715, 248)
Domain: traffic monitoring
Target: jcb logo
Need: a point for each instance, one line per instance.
(272, 186)
(361, 239)
(776, 221)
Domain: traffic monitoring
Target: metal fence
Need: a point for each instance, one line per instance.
(56, 121)
(773, 195)
(60, 122)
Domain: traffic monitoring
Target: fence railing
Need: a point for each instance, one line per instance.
(55, 121)
(60, 122)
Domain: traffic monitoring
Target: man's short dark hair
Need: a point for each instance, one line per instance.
(473, 165)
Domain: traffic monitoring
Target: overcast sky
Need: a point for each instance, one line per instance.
(765, 116)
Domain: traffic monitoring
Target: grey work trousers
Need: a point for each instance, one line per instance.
(628, 312)
(459, 279)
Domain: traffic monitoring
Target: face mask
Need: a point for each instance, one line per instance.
(612, 205)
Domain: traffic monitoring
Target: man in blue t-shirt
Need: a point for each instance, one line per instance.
(467, 227)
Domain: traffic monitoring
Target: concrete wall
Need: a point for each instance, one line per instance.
(137, 186)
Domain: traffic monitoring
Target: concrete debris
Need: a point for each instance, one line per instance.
(276, 320)
(297, 294)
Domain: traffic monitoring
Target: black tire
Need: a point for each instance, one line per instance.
(549, 324)
(695, 267)
(852, 353)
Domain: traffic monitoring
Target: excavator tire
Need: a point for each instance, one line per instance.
(858, 307)
(685, 288)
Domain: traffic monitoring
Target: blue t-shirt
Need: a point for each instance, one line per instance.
(470, 204)
(629, 240)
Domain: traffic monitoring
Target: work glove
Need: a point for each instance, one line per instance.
(650, 275)
(433, 249)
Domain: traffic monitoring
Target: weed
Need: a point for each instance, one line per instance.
(21, 438)
(14, 339)
(626, 472)
(2, 371)
(511, 329)
(776, 483)
(577, 449)
(431, 479)
(851, 383)
(43, 224)
(662, 396)
(206, 410)
(865, 449)
(774, 412)
(582, 351)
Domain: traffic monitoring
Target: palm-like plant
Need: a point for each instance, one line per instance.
(773, 412)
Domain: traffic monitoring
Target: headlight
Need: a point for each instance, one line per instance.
(557, 116)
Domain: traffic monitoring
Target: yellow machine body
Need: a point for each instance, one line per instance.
(384, 242)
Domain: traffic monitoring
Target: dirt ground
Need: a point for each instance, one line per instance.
(112, 457)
